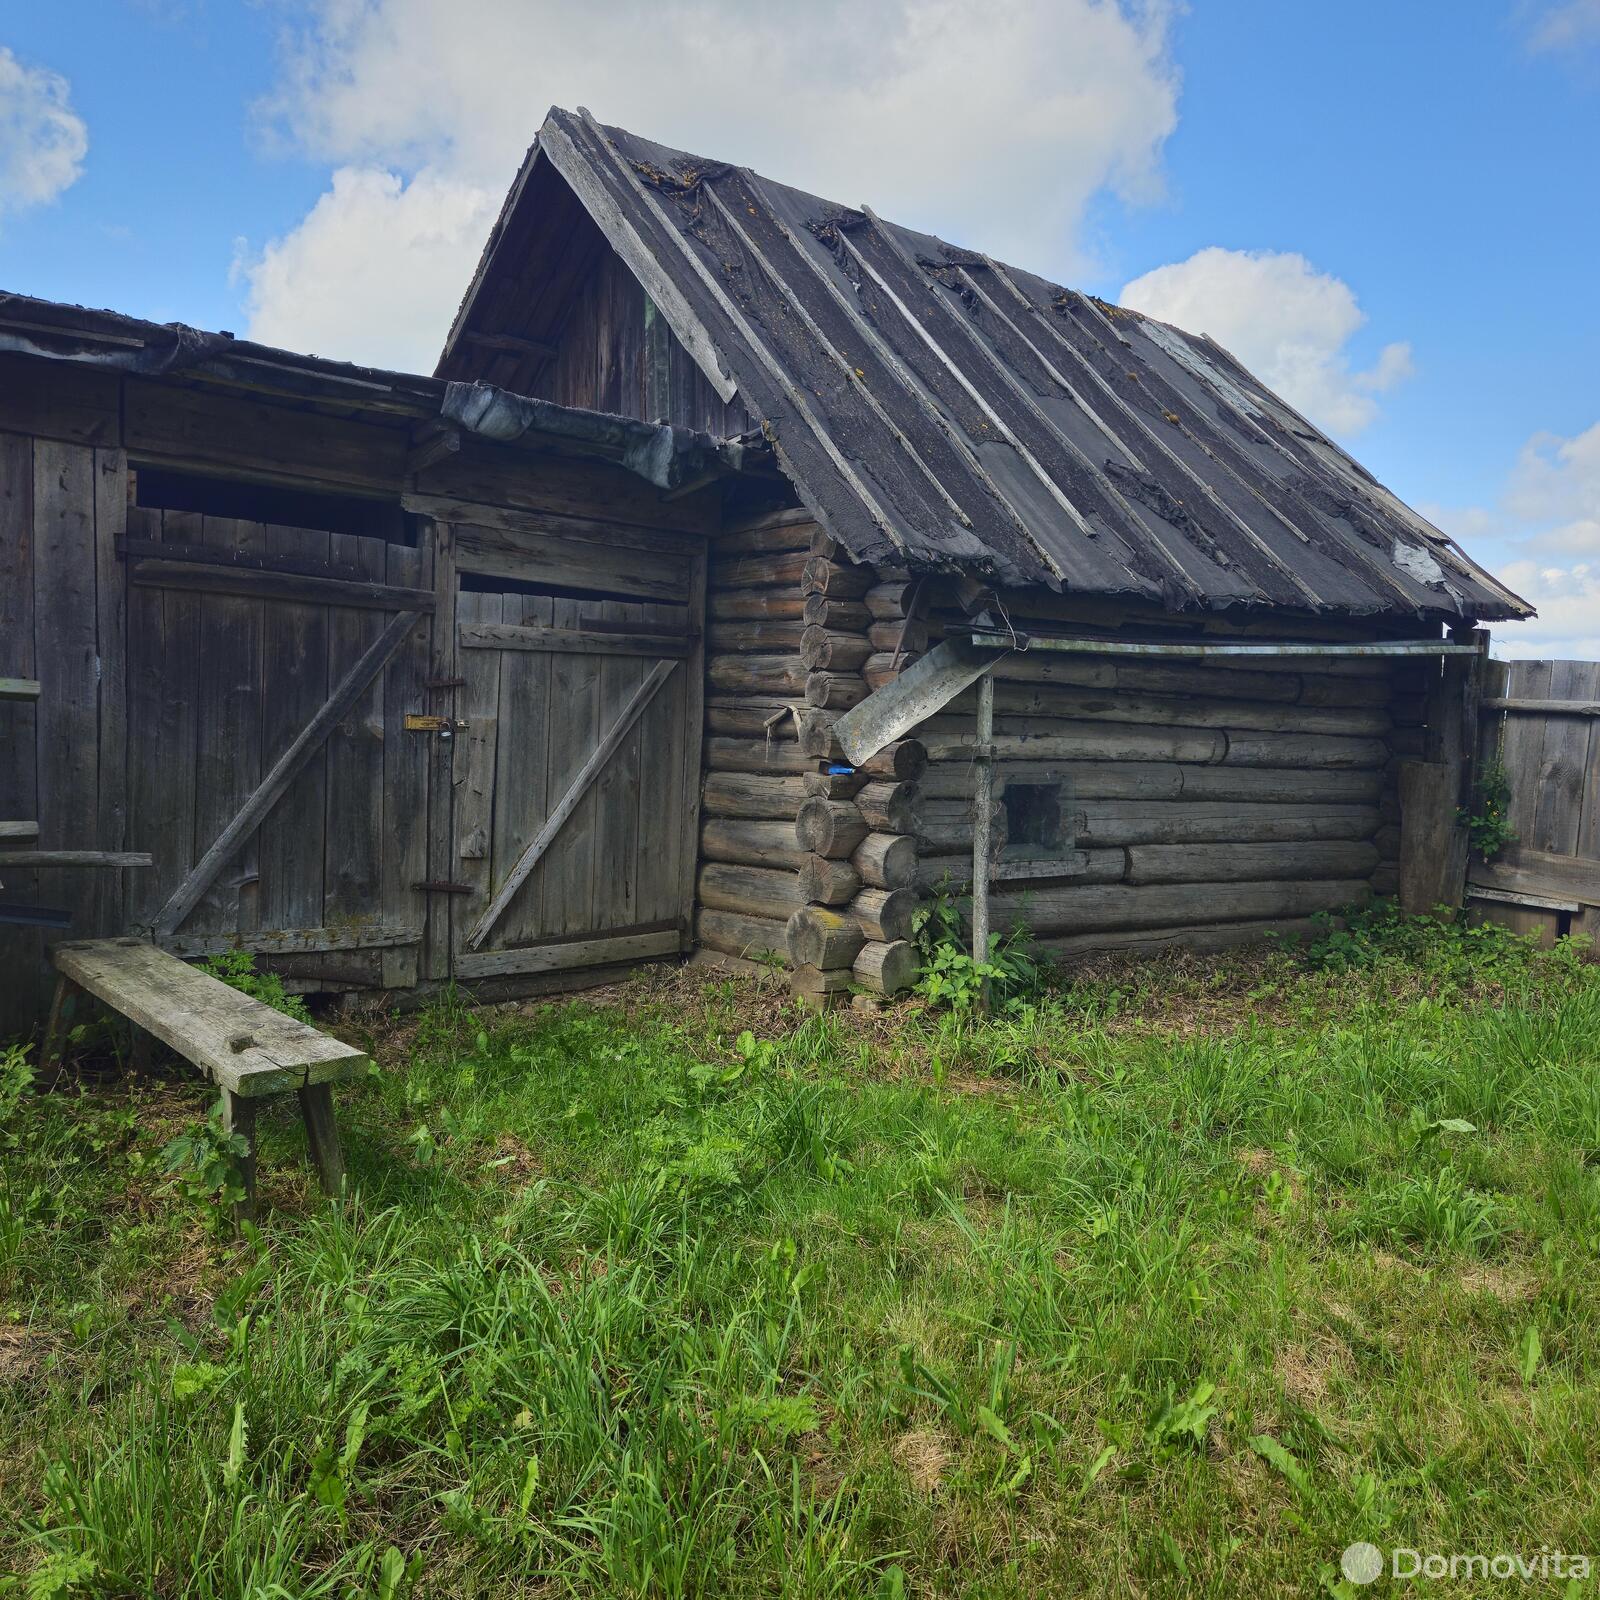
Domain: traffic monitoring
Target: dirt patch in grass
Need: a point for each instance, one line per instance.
(923, 1455)
(1308, 1369)
(1509, 1282)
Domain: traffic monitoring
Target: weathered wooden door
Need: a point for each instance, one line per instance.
(270, 773)
(577, 752)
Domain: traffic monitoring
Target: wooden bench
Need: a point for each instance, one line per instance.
(244, 1047)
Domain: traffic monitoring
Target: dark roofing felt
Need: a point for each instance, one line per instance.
(936, 407)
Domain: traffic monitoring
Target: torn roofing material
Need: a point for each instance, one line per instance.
(935, 407)
(668, 457)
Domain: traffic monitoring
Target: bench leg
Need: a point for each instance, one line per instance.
(239, 1116)
(53, 1047)
(322, 1134)
(140, 1051)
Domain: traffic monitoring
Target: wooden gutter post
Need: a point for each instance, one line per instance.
(982, 824)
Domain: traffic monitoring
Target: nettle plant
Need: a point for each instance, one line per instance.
(1488, 824)
(952, 976)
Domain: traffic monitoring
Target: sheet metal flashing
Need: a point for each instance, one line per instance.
(938, 409)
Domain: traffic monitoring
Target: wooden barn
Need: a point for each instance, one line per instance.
(751, 569)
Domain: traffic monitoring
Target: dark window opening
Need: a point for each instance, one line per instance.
(160, 489)
(1034, 821)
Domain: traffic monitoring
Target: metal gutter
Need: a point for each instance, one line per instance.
(1119, 647)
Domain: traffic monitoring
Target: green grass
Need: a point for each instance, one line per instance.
(1177, 1281)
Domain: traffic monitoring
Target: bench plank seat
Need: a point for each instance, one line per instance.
(242, 1045)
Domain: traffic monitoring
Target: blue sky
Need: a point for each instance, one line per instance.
(1391, 211)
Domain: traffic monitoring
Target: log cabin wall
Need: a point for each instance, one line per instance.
(1212, 801)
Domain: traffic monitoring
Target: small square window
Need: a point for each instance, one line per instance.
(1034, 819)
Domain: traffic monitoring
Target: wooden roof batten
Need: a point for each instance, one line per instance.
(1248, 505)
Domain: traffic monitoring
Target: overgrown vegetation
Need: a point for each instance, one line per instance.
(1489, 828)
(1172, 1278)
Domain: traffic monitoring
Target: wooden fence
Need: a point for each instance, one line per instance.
(1542, 720)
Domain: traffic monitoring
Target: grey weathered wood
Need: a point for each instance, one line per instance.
(757, 755)
(885, 913)
(19, 830)
(886, 968)
(778, 605)
(917, 694)
(322, 1136)
(311, 737)
(821, 937)
(836, 691)
(1542, 708)
(255, 583)
(617, 820)
(632, 573)
(605, 950)
(752, 938)
(290, 849)
(1193, 822)
(831, 828)
(751, 844)
(75, 858)
(23, 689)
(439, 539)
(1231, 863)
(825, 882)
(536, 847)
(752, 796)
(405, 779)
(1518, 897)
(781, 676)
(242, 1045)
(889, 807)
(227, 711)
(475, 748)
(1076, 907)
(111, 633)
(1428, 801)
(751, 891)
(67, 649)
(521, 769)
(1547, 873)
(886, 860)
(364, 934)
(503, 636)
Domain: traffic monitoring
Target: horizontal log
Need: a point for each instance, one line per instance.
(952, 874)
(889, 807)
(823, 649)
(1387, 841)
(821, 937)
(752, 795)
(1093, 908)
(1519, 870)
(1386, 880)
(945, 825)
(952, 738)
(752, 844)
(817, 986)
(835, 691)
(753, 938)
(831, 828)
(1522, 706)
(256, 584)
(904, 759)
(835, 579)
(1185, 711)
(749, 717)
(899, 636)
(1083, 780)
(882, 667)
(1247, 863)
(1282, 785)
(756, 636)
(751, 891)
(816, 734)
(843, 616)
(779, 534)
(572, 641)
(756, 755)
(828, 883)
(885, 913)
(758, 572)
(886, 860)
(887, 601)
(757, 674)
(1303, 750)
(886, 968)
(76, 858)
(845, 785)
(774, 605)
(1154, 941)
(1189, 822)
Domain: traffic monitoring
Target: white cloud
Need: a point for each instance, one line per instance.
(348, 281)
(42, 139)
(997, 135)
(1543, 535)
(1567, 25)
(1287, 322)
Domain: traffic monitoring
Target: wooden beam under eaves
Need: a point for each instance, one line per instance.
(515, 344)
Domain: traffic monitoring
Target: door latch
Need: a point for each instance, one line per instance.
(445, 727)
